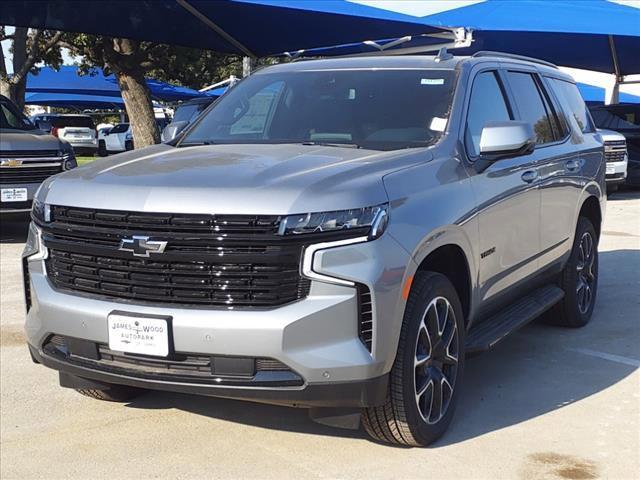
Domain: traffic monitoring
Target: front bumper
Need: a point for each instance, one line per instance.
(316, 337)
(616, 172)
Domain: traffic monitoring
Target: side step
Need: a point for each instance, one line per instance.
(517, 315)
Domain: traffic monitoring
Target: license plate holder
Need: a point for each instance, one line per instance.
(14, 195)
(139, 333)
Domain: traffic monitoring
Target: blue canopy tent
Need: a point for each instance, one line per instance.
(595, 35)
(74, 100)
(67, 81)
(253, 28)
(594, 94)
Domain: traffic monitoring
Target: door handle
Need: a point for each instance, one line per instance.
(572, 165)
(529, 176)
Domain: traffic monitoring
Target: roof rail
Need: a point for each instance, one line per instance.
(513, 56)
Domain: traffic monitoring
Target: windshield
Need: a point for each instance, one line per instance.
(12, 119)
(380, 109)
(120, 128)
(617, 118)
(188, 112)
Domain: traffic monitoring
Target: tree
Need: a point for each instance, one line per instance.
(29, 48)
(132, 60)
(128, 60)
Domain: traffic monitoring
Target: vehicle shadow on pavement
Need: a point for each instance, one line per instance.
(534, 372)
(14, 227)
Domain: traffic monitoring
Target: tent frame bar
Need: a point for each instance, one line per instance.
(213, 26)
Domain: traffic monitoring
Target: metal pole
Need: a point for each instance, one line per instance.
(614, 95)
(248, 64)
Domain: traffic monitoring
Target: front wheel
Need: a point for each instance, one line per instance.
(425, 379)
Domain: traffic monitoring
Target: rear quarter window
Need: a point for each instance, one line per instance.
(573, 101)
(62, 122)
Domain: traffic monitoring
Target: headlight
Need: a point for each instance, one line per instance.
(370, 221)
(69, 160)
(41, 211)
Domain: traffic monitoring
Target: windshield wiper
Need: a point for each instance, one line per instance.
(196, 144)
(327, 144)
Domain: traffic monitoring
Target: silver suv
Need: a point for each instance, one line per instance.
(332, 234)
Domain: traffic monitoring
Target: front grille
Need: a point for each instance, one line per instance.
(29, 154)
(178, 367)
(28, 173)
(365, 316)
(217, 260)
(615, 150)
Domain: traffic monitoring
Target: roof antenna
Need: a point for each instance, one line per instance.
(443, 55)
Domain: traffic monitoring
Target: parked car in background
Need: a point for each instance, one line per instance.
(332, 234)
(623, 118)
(184, 115)
(117, 139)
(615, 156)
(28, 156)
(78, 130)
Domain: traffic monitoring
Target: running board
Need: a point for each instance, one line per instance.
(515, 316)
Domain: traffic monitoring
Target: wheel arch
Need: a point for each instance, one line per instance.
(451, 261)
(590, 209)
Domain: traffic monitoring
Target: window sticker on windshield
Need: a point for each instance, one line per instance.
(432, 81)
(438, 124)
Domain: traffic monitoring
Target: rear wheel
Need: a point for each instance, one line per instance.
(579, 279)
(425, 378)
(115, 393)
(102, 148)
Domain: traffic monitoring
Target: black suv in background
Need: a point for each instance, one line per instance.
(623, 118)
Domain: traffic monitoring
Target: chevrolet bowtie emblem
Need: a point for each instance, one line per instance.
(142, 246)
(10, 162)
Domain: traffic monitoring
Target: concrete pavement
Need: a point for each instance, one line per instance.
(547, 403)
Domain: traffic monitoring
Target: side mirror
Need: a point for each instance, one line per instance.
(172, 130)
(500, 140)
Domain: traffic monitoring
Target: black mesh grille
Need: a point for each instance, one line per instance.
(614, 151)
(365, 316)
(29, 154)
(179, 367)
(208, 259)
(28, 174)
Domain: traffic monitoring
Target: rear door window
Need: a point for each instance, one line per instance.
(487, 104)
(532, 107)
(63, 122)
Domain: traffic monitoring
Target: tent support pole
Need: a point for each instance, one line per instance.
(613, 96)
(209, 23)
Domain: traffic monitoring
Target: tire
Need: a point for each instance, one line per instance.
(400, 420)
(612, 188)
(575, 309)
(102, 149)
(115, 393)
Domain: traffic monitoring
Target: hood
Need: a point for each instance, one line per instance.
(228, 179)
(610, 135)
(27, 140)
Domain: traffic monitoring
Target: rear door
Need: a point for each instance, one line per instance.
(507, 195)
(556, 161)
(564, 167)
